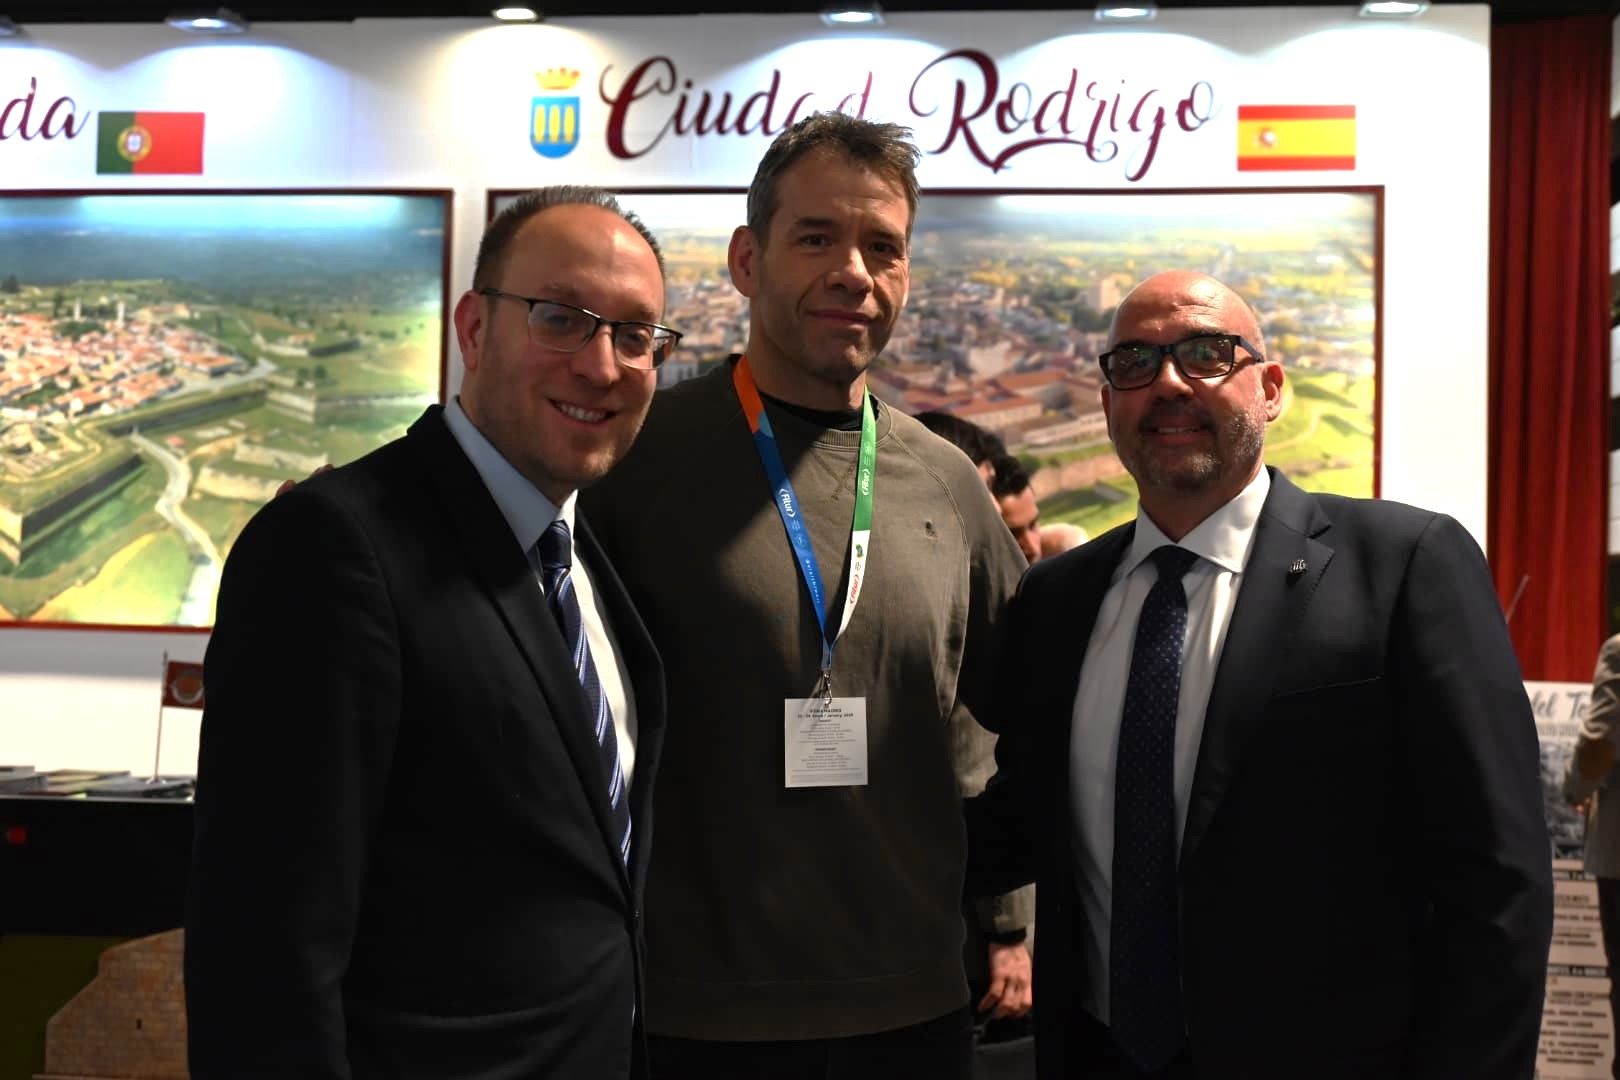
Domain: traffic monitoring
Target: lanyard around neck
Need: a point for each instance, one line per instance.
(788, 508)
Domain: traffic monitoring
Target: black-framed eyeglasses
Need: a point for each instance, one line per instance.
(566, 328)
(1206, 356)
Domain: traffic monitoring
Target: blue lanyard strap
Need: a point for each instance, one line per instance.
(787, 507)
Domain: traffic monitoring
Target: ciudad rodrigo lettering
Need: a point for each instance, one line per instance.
(60, 119)
(1099, 120)
(990, 120)
(687, 110)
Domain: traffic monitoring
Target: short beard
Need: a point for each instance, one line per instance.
(1237, 448)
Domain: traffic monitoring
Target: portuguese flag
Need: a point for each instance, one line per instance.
(1276, 138)
(148, 143)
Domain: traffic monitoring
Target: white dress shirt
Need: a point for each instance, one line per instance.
(529, 513)
(1223, 542)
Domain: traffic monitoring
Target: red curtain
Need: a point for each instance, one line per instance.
(1549, 337)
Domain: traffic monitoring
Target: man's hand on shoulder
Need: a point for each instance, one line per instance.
(288, 485)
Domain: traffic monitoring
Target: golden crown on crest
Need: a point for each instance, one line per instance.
(557, 78)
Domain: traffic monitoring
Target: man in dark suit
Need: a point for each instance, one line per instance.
(434, 716)
(1278, 780)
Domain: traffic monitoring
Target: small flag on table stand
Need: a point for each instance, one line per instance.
(182, 689)
(182, 684)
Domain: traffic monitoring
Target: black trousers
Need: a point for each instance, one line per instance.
(1093, 1055)
(1609, 917)
(939, 1049)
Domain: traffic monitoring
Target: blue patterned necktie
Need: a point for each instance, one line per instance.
(555, 549)
(1144, 954)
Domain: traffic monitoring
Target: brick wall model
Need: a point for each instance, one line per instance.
(129, 1023)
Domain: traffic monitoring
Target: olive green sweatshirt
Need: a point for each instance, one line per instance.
(815, 912)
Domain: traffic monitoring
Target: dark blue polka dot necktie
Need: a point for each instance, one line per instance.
(1144, 953)
(556, 551)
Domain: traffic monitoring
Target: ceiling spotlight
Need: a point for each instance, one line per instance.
(1138, 12)
(8, 28)
(222, 21)
(853, 15)
(1393, 9)
(516, 14)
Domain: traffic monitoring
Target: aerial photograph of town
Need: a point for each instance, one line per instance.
(167, 360)
(1011, 297)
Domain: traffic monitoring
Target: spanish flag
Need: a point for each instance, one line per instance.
(148, 143)
(1279, 138)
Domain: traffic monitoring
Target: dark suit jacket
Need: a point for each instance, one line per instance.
(403, 863)
(1366, 883)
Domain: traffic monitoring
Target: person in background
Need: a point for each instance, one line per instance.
(1016, 501)
(981, 446)
(433, 721)
(994, 924)
(1060, 536)
(985, 449)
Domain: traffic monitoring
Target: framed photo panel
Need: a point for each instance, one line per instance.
(168, 358)
(1012, 293)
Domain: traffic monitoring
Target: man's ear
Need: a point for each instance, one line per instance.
(470, 328)
(740, 260)
(1271, 384)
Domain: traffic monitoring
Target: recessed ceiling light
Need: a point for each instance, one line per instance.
(8, 28)
(1137, 12)
(1393, 9)
(853, 15)
(516, 14)
(222, 21)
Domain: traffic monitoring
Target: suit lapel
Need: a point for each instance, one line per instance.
(506, 574)
(1272, 601)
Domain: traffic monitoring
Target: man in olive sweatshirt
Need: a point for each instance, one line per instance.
(803, 902)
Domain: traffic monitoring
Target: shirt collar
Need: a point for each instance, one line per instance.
(526, 510)
(1225, 538)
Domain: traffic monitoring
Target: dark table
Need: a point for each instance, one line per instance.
(96, 867)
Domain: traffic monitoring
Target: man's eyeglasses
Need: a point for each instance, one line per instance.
(1207, 356)
(565, 328)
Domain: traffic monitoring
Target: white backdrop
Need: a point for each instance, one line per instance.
(446, 103)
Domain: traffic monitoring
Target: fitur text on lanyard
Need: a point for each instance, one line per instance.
(787, 507)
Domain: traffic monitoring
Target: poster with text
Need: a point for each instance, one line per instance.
(1577, 1032)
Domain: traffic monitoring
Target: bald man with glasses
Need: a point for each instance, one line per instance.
(1268, 754)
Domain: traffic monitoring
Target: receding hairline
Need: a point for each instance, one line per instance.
(619, 223)
(494, 246)
(1185, 285)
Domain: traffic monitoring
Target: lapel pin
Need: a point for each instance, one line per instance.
(1297, 568)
